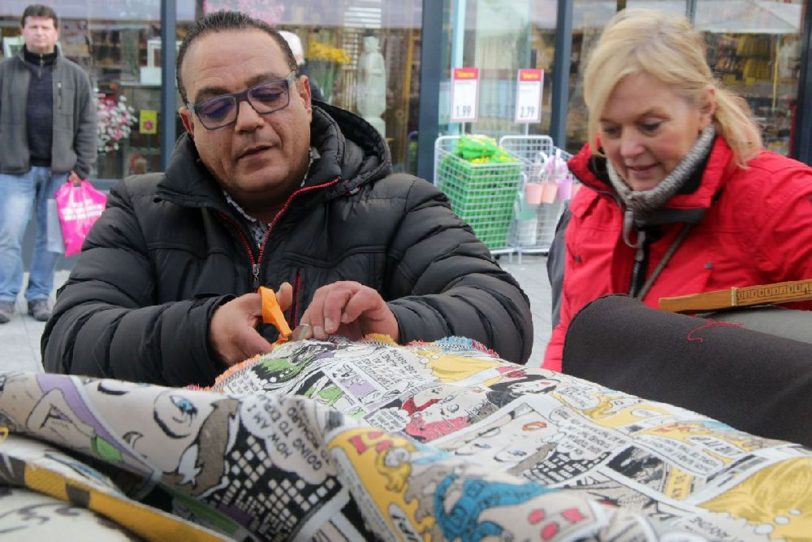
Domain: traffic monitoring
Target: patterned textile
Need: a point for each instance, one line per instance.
(337, 440)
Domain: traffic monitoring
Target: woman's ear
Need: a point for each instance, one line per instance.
(707, 105)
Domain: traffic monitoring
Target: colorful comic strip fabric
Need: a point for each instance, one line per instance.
(339, 440)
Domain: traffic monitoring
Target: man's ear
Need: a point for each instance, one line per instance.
(188, 122)
(303, 88)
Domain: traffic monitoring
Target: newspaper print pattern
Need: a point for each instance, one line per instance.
(328, 440)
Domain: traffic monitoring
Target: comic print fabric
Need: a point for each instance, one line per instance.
(338, 440)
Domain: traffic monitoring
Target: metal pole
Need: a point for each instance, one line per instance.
(802, 141)
(561, 73)
(690, 10)
(430, 75)
(458, 10)
(168, 87)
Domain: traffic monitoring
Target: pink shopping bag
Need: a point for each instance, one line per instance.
(78, 208)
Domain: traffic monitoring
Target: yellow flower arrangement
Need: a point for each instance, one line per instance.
(318, 50)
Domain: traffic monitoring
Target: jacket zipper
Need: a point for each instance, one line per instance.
(278, 216)
(256, 263)
(295, 306)
(59, 95)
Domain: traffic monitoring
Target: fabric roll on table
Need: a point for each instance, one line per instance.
(756, 382)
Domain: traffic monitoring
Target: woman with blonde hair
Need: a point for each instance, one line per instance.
(679, 196)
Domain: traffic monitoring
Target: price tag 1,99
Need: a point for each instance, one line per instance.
(529, 86)
(464, 95)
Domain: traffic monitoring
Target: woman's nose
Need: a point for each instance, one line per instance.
(630, 144)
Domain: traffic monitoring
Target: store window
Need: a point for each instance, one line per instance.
(118, 43)
(499, 37)
(753, 49)
(364, 56)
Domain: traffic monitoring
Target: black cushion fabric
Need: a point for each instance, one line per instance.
(753, 381)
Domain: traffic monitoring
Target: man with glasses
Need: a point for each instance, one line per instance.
(266, 189)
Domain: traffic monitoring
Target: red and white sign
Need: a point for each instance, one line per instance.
(464, 94)
(529, 85)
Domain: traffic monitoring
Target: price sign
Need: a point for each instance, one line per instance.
(464, 94)
(148, 121)
(528, 95)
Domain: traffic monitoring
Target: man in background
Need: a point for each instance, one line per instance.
(295, 45)
(48, 136)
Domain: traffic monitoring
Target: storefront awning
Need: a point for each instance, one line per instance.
(122, 10)
(717, 16)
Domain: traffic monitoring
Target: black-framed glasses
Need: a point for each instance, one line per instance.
(265, 98)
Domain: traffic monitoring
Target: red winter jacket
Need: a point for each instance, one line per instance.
(756, 229)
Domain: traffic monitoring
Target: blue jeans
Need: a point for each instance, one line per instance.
(20, 195)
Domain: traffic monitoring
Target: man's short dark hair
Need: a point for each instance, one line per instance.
(38, 10)
(221, 21)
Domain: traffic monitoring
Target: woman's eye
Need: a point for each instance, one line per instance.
(610, 131)
(650, 126)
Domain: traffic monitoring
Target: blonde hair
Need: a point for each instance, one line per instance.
(666, 47)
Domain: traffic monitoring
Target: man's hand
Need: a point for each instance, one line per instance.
(74, 179)
(349, 309)
(232, 330)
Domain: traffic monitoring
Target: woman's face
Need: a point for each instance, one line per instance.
(646, 128)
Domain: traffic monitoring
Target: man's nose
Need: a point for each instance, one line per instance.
(247, 116)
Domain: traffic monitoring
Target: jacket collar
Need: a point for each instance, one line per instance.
(56, 55)
(350, 150)
(590, 169)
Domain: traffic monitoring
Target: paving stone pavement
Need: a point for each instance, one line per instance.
(20, 338)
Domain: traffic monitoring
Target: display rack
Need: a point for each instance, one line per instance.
(534, 234)
(481, 194)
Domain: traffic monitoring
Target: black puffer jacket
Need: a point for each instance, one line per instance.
(169, 250)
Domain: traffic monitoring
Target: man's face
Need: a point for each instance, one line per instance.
(40, 34)
(259, 159)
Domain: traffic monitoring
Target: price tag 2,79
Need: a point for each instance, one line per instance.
(529, 85)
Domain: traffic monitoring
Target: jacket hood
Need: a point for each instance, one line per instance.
(349, 148)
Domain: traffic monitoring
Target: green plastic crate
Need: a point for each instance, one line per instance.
(481, 194)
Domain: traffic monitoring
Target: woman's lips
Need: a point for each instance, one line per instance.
(639, 169)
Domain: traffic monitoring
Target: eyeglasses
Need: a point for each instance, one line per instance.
(265, 98)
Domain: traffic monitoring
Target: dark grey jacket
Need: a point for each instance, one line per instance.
(74, 135)
(169, 250)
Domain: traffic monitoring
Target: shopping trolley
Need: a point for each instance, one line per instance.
(481, 194)
(533, 228)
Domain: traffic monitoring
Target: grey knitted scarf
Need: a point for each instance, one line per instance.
(646, 201)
